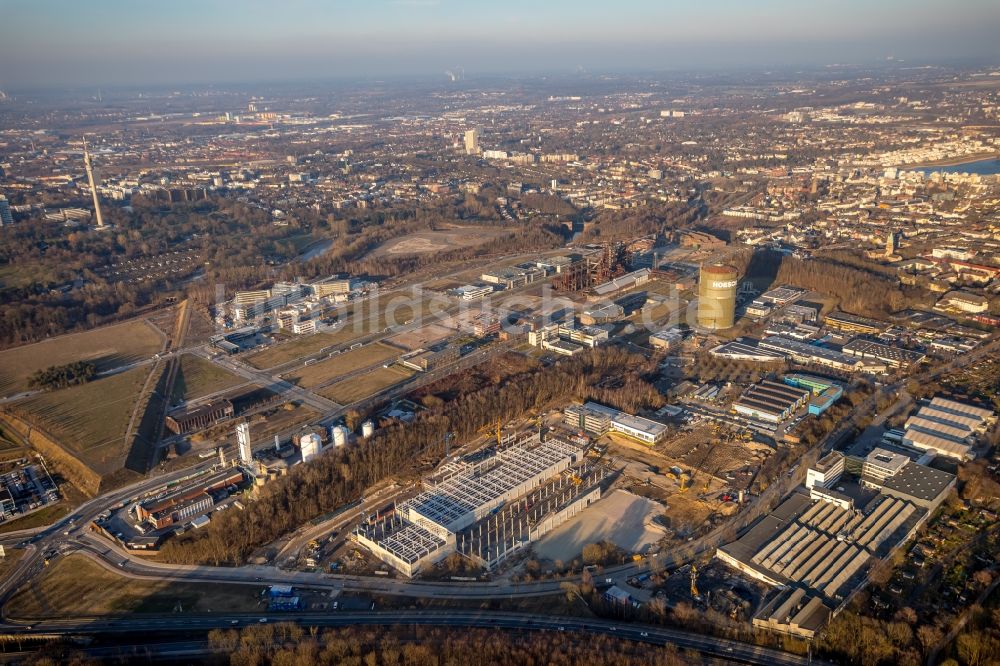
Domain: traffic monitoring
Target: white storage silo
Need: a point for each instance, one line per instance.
(367, 429)
(310, 445)
(338, 435)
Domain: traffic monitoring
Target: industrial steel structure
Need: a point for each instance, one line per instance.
(596, 268)
(485, 506)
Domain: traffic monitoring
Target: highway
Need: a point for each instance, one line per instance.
(520, 622)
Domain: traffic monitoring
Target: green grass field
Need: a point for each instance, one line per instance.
(76, 585)
(341, 364)
(107, 347)
(90, 420)
(197, 377)
(354, 389)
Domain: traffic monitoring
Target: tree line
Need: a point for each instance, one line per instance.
(61, 376)
(859, 290)
(291, 645)
(628, 224)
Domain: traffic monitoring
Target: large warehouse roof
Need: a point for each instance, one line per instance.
(923, 440)
(919, 481)
(948, 417)
(947, 405)
(945, 426)
(935, 427)
(814, 352)
(743, 351)
(452, 503)
(821, 546)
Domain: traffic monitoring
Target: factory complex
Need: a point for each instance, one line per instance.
(486, 507)
(820, 542)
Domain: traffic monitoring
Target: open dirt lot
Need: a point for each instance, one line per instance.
(437, 241)
(422, 337)
(621, 518)
(107, 347)
(710, 453)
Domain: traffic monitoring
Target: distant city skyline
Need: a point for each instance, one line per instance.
(114, 42)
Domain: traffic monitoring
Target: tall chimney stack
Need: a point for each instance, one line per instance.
(93, 188)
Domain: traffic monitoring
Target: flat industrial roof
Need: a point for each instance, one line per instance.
(781, 391)
(743, 349)
(882, 351)
(920, 481)
(452, 500)
(648, 426)
(768, 527)
(804, 349)
(887, 459)
(949, 417)
(855, 319)
(604, 410)
(934, 426)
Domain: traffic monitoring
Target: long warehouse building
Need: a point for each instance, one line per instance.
(946, 427)
(771, 401)
(805, 353)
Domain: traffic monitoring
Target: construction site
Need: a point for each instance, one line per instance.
(486, 506)
(702, 473)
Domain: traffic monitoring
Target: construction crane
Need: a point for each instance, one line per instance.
(694, 582)
(498, 432)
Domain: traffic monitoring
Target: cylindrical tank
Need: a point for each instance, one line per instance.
(310, 445)
(338, 435)
(717, 296)
(367, 429)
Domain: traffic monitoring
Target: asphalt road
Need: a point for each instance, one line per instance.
(719, 647)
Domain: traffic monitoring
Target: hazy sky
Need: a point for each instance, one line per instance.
(106, 42)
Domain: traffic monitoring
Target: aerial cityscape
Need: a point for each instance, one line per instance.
(428, 332)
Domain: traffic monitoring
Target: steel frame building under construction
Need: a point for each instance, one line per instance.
(468, 506)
